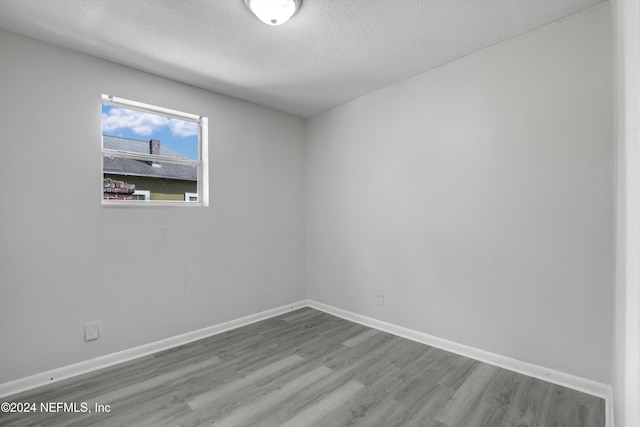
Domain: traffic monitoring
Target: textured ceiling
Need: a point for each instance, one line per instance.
(330, 52)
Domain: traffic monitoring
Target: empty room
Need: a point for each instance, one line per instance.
(320, 213)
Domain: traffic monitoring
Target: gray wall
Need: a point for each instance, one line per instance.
(145, 274)
(478, 197)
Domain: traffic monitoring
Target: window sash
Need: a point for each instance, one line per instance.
(148, 108)
(107, 152)
(202, 165)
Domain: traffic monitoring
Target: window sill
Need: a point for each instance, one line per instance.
(150, 203)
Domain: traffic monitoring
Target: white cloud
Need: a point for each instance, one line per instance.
(138, 121)
(182, 128)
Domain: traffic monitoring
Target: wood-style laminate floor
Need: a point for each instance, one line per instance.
(308, 368)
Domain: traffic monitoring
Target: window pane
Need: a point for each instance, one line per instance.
(152, 153)
(163, 181)
(141, 132)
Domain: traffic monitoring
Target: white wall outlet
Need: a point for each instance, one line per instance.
(380, 299)
(91, 331)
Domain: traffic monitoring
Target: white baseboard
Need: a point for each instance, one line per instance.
(59, 374)
(550, 375)
(556, 377)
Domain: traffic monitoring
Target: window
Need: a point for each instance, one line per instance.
(152, 155)
(142, 195)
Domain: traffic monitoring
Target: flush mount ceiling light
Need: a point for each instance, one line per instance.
(273, 12)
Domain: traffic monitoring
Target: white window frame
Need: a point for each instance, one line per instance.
(201, 163)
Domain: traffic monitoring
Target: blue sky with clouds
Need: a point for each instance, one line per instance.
(180, 135)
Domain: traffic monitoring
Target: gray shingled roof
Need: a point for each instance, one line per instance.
(120, 166)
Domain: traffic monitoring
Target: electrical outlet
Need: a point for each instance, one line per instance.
(91, 331)
(380, 299)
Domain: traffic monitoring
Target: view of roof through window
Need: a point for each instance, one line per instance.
(149, 156)
(181, 136)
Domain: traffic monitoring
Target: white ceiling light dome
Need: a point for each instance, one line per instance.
(273, 12)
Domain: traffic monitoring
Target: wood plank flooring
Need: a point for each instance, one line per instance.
(307, 368)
